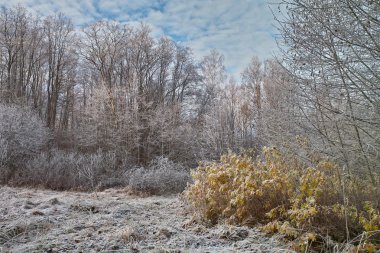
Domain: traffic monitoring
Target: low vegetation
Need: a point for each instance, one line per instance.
(162, 176)
(309, 203)
(114, 221)
(28, 157)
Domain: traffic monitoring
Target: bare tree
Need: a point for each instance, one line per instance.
(332, 52)
(213, 78)
(58, 38)
(252, 78)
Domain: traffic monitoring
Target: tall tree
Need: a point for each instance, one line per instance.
(332, 51)
(59, 38)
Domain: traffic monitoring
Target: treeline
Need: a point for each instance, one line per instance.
(114, 88)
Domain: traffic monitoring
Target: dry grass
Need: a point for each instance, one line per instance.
(130, 234)
(19, 232)
(122, 223)
(303, 202)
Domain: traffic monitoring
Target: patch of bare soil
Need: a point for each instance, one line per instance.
(113, 221)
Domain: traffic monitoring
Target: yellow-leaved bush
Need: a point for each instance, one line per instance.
(282, 194)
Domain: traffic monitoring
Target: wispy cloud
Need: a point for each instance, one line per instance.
(239, 29)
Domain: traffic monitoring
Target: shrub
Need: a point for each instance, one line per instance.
(63, 170)
(285, 195)
(55, 170)
(162, 176)
(22, 135)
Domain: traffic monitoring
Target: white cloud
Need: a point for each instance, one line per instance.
(239, 29)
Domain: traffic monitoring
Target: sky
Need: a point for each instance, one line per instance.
(239, 29)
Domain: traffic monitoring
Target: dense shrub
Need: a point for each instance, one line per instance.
(55, 170)
(22, 135)
(285, 195)
(162, 176)
(62, 170)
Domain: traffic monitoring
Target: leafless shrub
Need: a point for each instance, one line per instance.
(162, 176)
(56, 170)
(22, 131)
(22, 135)
(63, 170)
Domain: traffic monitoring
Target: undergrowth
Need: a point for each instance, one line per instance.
(309, 204)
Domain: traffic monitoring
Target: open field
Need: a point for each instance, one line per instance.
(113, 221)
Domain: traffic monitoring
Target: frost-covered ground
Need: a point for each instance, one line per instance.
(113, 221)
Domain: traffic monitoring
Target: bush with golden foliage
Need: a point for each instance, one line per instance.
(282, 194)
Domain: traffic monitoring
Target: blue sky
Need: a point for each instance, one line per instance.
(239, 29)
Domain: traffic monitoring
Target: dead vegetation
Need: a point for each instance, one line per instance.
(314, 205)
(114, 221)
